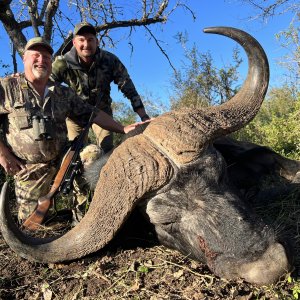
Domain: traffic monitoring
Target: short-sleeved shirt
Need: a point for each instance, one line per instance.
(95, 82)
(20, 103)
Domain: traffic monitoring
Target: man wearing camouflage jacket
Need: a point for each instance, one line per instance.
(32, 113)
(89, 71)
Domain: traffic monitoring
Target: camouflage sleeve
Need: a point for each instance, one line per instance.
(125, 84)
(59, 68)
(3, 101)
(80, 111)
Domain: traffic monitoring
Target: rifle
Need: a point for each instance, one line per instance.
(63, 180)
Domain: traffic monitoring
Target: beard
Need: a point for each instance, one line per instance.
(39, 73)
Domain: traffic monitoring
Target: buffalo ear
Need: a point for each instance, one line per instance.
(162, 212)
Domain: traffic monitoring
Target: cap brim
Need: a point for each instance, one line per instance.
(50, 50)
(86, 29)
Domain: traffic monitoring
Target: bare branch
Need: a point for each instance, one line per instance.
(160, 48)
(271, 8)
(145, 15)
(49, 14)
(162, 8)
(43, 9)
(11, 26)
(32, 9)
(43, 15)
(117, 24)
(130, 23)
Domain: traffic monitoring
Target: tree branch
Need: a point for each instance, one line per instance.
(105, 14)
(12, 27)
(32, 9)
(267, 10)
(160, 48)
(49, 14)
(115, 24)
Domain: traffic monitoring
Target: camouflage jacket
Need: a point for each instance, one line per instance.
(20, 104)
(90, 84)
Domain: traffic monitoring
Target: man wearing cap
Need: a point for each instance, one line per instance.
(89, 71)
(33, 111)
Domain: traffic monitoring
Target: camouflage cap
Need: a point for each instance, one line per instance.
(84, 27)
(38, 41)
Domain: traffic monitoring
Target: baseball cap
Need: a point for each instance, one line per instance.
(38, 41)
(84, 27)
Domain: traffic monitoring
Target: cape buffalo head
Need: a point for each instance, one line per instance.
(174, 170)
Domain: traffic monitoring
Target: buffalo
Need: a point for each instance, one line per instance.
(188, 178)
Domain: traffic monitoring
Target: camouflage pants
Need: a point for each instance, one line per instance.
(35, 181)
(30, 184)
(104, 138)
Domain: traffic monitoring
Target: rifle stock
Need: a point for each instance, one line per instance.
(46, 202)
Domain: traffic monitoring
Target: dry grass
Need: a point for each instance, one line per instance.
(127, 270)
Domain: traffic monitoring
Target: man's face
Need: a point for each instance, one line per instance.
(37, 63)
(85, 44)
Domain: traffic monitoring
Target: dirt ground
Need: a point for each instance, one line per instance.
(134, 266)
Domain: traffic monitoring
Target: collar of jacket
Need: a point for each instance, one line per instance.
(25, 83)
(72, 60)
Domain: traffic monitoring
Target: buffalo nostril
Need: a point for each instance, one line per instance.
(268, 268)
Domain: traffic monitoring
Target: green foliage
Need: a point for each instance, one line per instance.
(200, 84)
(4, 177)
(124, 113)
(290, 40)
(277, 124)
(143, 269)
(295, 287)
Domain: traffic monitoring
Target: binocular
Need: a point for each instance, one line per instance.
(42, 128)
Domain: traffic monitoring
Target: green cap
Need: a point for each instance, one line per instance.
(38, 41)
(84, 27)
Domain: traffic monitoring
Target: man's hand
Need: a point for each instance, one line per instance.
(11, 164)
(15, 75)
(105, 121)
(130, 127)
